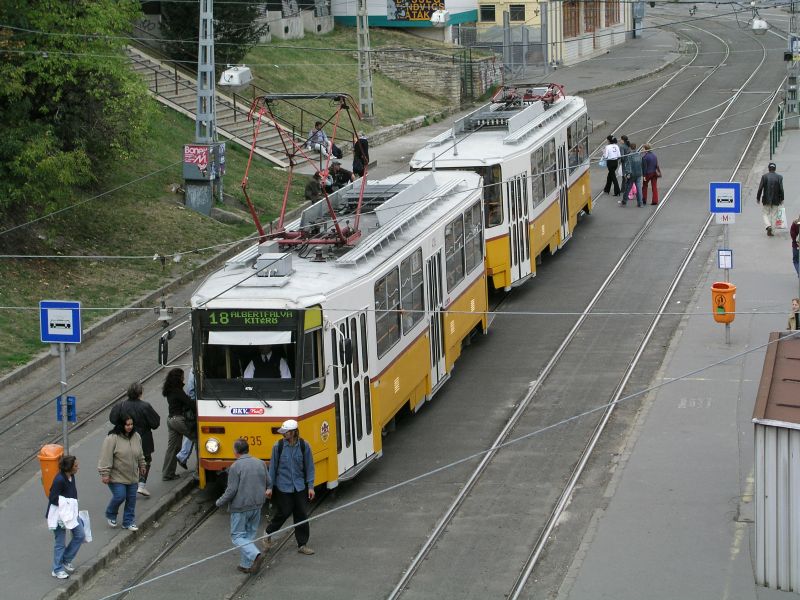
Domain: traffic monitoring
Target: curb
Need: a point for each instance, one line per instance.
(122, 541)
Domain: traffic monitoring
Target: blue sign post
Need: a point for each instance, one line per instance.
(725, 200)
(725, 197)
(60, 323)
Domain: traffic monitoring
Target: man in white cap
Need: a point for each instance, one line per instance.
(770, 196)
(291, 488)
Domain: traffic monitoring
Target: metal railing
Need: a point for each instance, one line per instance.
(776, 131)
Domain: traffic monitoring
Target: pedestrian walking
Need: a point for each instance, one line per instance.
(794, 230)
(180, 406)
(120, 465)
(145, 420)
(770, 196)
(611, 155)
(360, 153)
(793, 323)
(62, 515)
(624, 151)
(248, 480)
(633, 176)
(291, 484)
(651, 171)
(187, 445)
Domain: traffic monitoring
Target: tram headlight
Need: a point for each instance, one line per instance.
(212, 445)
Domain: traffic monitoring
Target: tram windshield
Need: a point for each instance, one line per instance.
(257, 354)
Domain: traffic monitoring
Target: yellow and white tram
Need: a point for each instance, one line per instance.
(365, 329)
(530, 145)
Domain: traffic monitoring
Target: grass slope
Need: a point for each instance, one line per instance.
(145, 218)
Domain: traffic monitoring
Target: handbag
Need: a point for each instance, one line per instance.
(632, 192)
(602, 162)
(780, 218)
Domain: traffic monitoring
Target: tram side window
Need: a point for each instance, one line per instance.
(313, 381)
(454, 252)
(473, 243)
(550, 178)
(387, 311)
(411, 290)
(577, 141)
(537, 176)
(492, 194)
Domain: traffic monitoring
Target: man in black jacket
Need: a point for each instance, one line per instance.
(145, 419)
(770, 195)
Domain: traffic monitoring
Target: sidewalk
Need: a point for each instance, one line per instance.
(680, 520)
(22, 500)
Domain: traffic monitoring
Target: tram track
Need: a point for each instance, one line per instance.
(86, 419)
(447, 517)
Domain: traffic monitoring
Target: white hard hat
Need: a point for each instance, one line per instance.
(288, 425)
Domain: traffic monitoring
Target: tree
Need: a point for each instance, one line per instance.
(236, 30)
(70, 102)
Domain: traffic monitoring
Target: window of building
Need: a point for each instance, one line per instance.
(411, 290)
(487, 13)
(591, 15)
(387, 311)
(516, 12)
(572, 18)
(612, 12)
(454, 252)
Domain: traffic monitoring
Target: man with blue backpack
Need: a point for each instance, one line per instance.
(291, 473)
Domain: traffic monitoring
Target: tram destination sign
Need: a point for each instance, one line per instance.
(239, 318)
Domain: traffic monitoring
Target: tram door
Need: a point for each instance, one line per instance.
(351, 391)
(434, 297)
(518, 228)
(562, 194)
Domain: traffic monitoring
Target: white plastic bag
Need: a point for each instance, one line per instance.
(83, 515)
(780, 218)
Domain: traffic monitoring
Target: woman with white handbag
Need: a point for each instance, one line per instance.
(62, 515)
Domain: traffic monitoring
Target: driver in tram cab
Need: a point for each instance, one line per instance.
(267, 364)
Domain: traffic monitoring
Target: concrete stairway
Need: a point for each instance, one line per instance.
(179, 91)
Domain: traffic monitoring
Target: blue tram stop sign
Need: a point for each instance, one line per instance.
(60, 322)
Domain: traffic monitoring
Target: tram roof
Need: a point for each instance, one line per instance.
(396, 212)
(495, 132)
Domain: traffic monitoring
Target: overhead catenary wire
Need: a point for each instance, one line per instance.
(427, 474)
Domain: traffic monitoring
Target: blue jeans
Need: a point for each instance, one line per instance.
(122, 492)
(66, 554)
(244, 527)
(186, 449)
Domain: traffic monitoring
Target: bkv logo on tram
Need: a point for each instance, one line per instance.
(247, 411)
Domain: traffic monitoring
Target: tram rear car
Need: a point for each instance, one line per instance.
(530, 145)
(363, 330)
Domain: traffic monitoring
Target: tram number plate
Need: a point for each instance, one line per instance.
(253, 440)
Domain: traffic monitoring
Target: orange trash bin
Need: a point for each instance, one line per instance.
(723, 298)
(49, 456)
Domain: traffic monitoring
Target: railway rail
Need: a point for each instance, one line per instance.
(519, 584)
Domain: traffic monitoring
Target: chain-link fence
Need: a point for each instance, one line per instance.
(520, 47)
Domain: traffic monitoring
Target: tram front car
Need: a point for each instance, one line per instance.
(252, 367)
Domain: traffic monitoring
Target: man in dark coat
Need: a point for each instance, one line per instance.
(770, 196)
(145, 419)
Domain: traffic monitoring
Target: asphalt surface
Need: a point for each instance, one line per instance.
(357, 536)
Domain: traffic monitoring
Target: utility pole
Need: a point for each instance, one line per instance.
(204, 161)
(364, 70)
